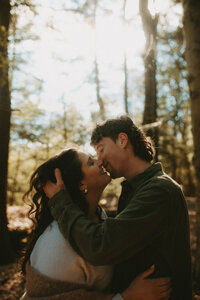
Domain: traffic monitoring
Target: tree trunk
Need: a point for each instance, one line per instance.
(6, 252)
(14, 179)
(96, 71)
(150, 107)
(125, 63)
(97, 82)
(64, 120)
(191, 23)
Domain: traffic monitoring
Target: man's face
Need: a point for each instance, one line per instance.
(110, 156)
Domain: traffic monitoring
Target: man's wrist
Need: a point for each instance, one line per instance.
(61, 196)
(58, 202)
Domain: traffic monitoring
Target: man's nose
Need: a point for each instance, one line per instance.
(99, 162)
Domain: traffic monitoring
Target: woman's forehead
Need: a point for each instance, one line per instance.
(83, 156)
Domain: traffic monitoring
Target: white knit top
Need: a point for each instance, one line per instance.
(53, 256)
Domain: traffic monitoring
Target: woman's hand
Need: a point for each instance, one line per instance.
(142, 288)
(51, 188)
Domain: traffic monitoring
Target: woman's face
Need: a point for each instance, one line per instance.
(95, 179)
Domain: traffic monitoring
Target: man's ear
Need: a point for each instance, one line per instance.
(122, 140)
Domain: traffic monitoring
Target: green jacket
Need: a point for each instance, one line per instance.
(151, 227)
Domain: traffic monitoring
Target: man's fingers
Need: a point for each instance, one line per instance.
(47, 188)
(163, 281)
(59, 180)
(164, 288)
(165, 295)
(58, 176)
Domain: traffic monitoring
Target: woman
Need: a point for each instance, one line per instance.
(53, 269)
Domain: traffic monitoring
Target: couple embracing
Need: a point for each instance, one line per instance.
(76, 252)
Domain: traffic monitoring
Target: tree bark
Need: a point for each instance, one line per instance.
(100, 100)
(6, 252)
(150, 30)
(191, 24)
(125, 63)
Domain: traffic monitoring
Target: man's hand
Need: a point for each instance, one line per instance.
(142, 288)
(51, 188)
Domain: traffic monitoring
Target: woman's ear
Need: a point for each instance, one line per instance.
(83, 188)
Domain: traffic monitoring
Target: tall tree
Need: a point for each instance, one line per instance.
(6, 253)
(89, 11)
(100, 100)
(150, 29)
(125, 62)
(175, 138)
(191, 24)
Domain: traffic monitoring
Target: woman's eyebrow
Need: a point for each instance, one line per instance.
(89, 160)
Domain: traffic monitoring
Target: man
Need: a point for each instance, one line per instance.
(151, 226)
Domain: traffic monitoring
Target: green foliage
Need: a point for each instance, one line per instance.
(36, 135)
(35, 138)
(175, 143)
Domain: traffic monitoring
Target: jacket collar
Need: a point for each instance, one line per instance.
(142, 177)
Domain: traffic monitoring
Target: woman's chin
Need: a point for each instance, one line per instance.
(108, 179)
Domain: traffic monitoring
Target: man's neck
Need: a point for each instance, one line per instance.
(135, 166)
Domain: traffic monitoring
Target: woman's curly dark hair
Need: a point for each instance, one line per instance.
(70, 166)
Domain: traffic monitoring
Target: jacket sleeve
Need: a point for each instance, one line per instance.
(119, 238)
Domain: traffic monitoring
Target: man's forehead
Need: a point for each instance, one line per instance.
(102, 142)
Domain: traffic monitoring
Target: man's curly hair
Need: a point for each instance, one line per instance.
(142, 146)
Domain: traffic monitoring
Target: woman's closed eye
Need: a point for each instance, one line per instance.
(91, 161)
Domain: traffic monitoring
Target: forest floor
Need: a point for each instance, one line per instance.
(11, 280)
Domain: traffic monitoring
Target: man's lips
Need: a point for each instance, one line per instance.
(102, 170)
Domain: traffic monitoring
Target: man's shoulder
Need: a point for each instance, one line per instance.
(161, 182)
(161, 178)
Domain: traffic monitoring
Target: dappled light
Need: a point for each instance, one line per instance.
(66, 66)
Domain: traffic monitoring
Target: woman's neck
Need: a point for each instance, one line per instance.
(93, 201)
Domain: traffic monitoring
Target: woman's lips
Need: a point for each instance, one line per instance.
(104, 171)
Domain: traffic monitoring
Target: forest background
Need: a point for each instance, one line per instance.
(66, 65)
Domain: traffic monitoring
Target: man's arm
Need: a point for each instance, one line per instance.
(141, 286)
(114, 240)
(77, 294)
